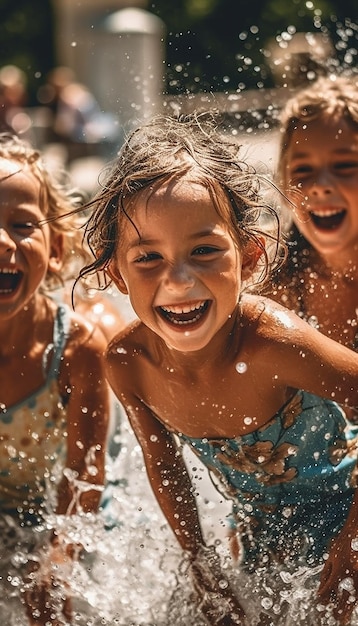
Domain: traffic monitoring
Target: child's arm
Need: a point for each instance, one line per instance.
(173, 490)
(339, 577)
(168, 475)
(301, 357)
(87, 425)
(80, 489)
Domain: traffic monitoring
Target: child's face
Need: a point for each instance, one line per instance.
(183, 274)
(322, 161)
(24, 246)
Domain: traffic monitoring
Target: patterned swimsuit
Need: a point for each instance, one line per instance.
(33, 446)
(291, 482)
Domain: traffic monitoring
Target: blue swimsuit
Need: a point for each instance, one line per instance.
(291, 482)
(33, 447)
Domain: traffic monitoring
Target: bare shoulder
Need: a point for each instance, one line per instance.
(273, 326)
(129, 358)
(130, 341)
(82, 366)
(84, 336)
(271, 320)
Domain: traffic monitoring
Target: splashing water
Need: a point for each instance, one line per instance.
(125, 572)
(131, 571)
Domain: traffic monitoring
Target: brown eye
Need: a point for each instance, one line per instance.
(24, 226)
(201, 250)
(146, 258)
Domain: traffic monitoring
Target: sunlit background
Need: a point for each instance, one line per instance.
(136, 58)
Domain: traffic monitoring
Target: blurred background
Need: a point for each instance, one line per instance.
(75, 76)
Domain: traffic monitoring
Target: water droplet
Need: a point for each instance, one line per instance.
(266, 603)
(241, 367)
(347, 584)
(223, 584)
(121, 351)
(313, 321)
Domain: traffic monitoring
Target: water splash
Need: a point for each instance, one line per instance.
(131, 571)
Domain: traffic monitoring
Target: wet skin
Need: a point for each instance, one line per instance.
(176, 281)
(322, 162)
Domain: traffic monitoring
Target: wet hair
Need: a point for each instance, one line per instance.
(328, 98)
(170, 147)
(56, 199)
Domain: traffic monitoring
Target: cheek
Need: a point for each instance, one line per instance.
(297, 196)
(302, 223)
(38, 248)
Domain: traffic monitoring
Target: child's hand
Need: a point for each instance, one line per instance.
(45, 604)
(217, 600)
(339, 578)
(46, 594)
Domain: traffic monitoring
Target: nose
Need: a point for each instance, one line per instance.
(179, 277)
(7, 244)
(322, 185)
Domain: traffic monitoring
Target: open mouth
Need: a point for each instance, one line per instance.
(328, 220)
(184, 315)
(9, 280)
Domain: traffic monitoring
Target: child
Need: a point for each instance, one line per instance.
(243, 381)
(54, 405)
(318, 168)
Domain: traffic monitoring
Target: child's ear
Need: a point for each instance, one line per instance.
(115, 275)
(56, 253)
(250, 257)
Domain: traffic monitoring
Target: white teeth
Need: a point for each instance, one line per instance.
(183, 308)
(182, 323)
(327, 212)
(7, 270)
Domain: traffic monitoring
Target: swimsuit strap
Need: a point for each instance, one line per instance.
(61, 329)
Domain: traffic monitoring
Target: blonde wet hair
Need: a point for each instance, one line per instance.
(328, 98)
(56, 199)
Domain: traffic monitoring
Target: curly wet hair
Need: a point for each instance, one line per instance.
(167, 147)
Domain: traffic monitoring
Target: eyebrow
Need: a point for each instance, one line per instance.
(338, 151)
(152, 242)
